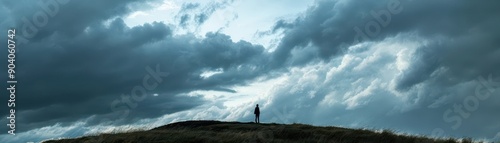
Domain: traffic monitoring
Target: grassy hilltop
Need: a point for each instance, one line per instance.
(237, 132)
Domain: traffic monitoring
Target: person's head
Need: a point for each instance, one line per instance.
(257, 105)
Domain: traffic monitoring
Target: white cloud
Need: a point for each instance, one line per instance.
(137, 13)
(168, 5)
(208, 73)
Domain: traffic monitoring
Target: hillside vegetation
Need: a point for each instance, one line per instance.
(237, 132)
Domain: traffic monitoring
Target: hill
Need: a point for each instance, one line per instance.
(237, 132)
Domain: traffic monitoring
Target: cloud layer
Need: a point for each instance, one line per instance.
(423, 67)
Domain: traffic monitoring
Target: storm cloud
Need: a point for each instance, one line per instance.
(442, 55)
(86, 67)
(191, 14)
(420, 67)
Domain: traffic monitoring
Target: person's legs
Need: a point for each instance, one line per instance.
(258, 118)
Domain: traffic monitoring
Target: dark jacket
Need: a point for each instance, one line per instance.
(256, 111)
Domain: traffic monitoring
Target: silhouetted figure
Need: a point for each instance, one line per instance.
(257, 113)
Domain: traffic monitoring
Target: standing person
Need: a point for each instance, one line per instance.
(257, 113)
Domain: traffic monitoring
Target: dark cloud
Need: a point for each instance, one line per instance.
(383, 64)
(426, 60)
(186, 8)
(458, 47)
(189, 6)
(281, 24)
(460, 35)
(330, 25)
(191, 14)
(48, 17)
(94, 68)
(201, 18)
(184, 19)
(79, 70)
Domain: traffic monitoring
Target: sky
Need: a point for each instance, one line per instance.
(416, 67)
